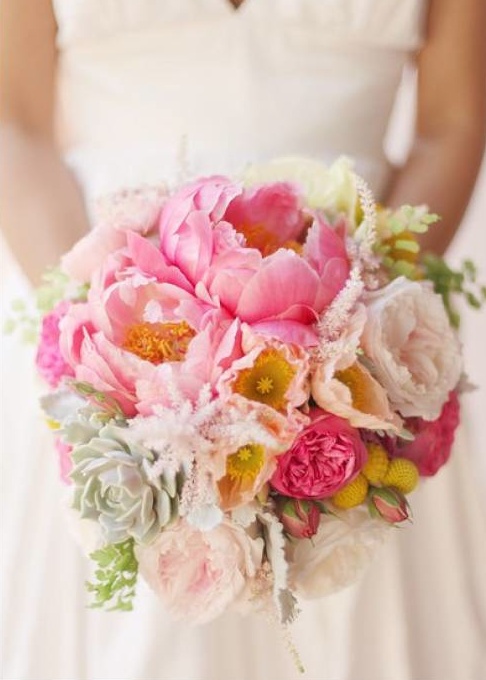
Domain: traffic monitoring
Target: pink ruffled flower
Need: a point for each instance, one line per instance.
(327, 455)
(210, 353)
(65, 463)
(269, 216)
(187, 223)
(116, 216)
(199, 574)
(49, 359)
(325, 251)
(284, 298)
(432, 446)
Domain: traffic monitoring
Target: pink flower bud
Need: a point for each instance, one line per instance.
(389, 504)
(300, 518)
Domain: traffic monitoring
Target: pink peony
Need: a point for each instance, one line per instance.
(268, 215)
(284, 298)
(325, 251)
(431, 448)
(199, 574)
(188, 220)
(327, 455)
(65, 463)
(49, 359)
(116, 217)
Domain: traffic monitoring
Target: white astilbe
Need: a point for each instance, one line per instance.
(333, 323)
(365, 234)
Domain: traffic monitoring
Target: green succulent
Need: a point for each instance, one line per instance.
(114, 485)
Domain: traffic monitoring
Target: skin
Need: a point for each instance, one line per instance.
(441, 169)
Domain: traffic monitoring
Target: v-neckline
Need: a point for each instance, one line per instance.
(236, 6)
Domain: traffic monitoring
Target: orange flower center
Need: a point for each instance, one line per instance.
(159, 342)
(257, 236)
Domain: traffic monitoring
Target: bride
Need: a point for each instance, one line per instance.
(101, 94)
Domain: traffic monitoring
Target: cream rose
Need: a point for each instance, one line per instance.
(415, 351)
(344, 545)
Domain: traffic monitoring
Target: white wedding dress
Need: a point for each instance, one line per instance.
(151, 90)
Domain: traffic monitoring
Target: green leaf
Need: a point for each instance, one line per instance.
(115, 577)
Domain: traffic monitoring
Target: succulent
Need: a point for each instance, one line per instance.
(115, 484)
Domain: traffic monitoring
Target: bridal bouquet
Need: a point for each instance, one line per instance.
(248, 377)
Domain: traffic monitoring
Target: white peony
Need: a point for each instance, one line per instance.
(338, 554)
(415, 352)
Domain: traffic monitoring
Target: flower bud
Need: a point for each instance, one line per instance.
(389, 504)
(300, 518)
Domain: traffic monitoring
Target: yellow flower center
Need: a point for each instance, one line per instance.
(268, 380)
(257, 236)
(355, 382)
(159, 342)
(246, 462)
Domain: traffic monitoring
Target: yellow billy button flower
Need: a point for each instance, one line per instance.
(402, 474)
(352, 494)
(52, 424)
(268, 380)
(376, 465)
(159, 342)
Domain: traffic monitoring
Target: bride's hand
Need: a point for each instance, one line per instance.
(451, 118)
(41, 208)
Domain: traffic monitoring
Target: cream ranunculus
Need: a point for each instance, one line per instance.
(343, 547)
(415, 352)
(332, 188)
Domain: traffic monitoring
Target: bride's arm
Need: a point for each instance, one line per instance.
(451, 117)
(41, 208)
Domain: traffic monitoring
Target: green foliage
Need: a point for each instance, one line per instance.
(116, 577)
(449, 282)
(399, 247)
(413, 219)
(26, 315)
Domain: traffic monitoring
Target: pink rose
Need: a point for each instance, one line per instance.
(415, 352)
(199, 574)
(327, 455)
(431, 448)
(300, 519)
(49, 360)
(389, 504)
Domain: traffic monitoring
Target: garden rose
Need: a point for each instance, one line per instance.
(327, 455)
(338, 554)
(431, 448)
(199, 574)
(415, 352)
